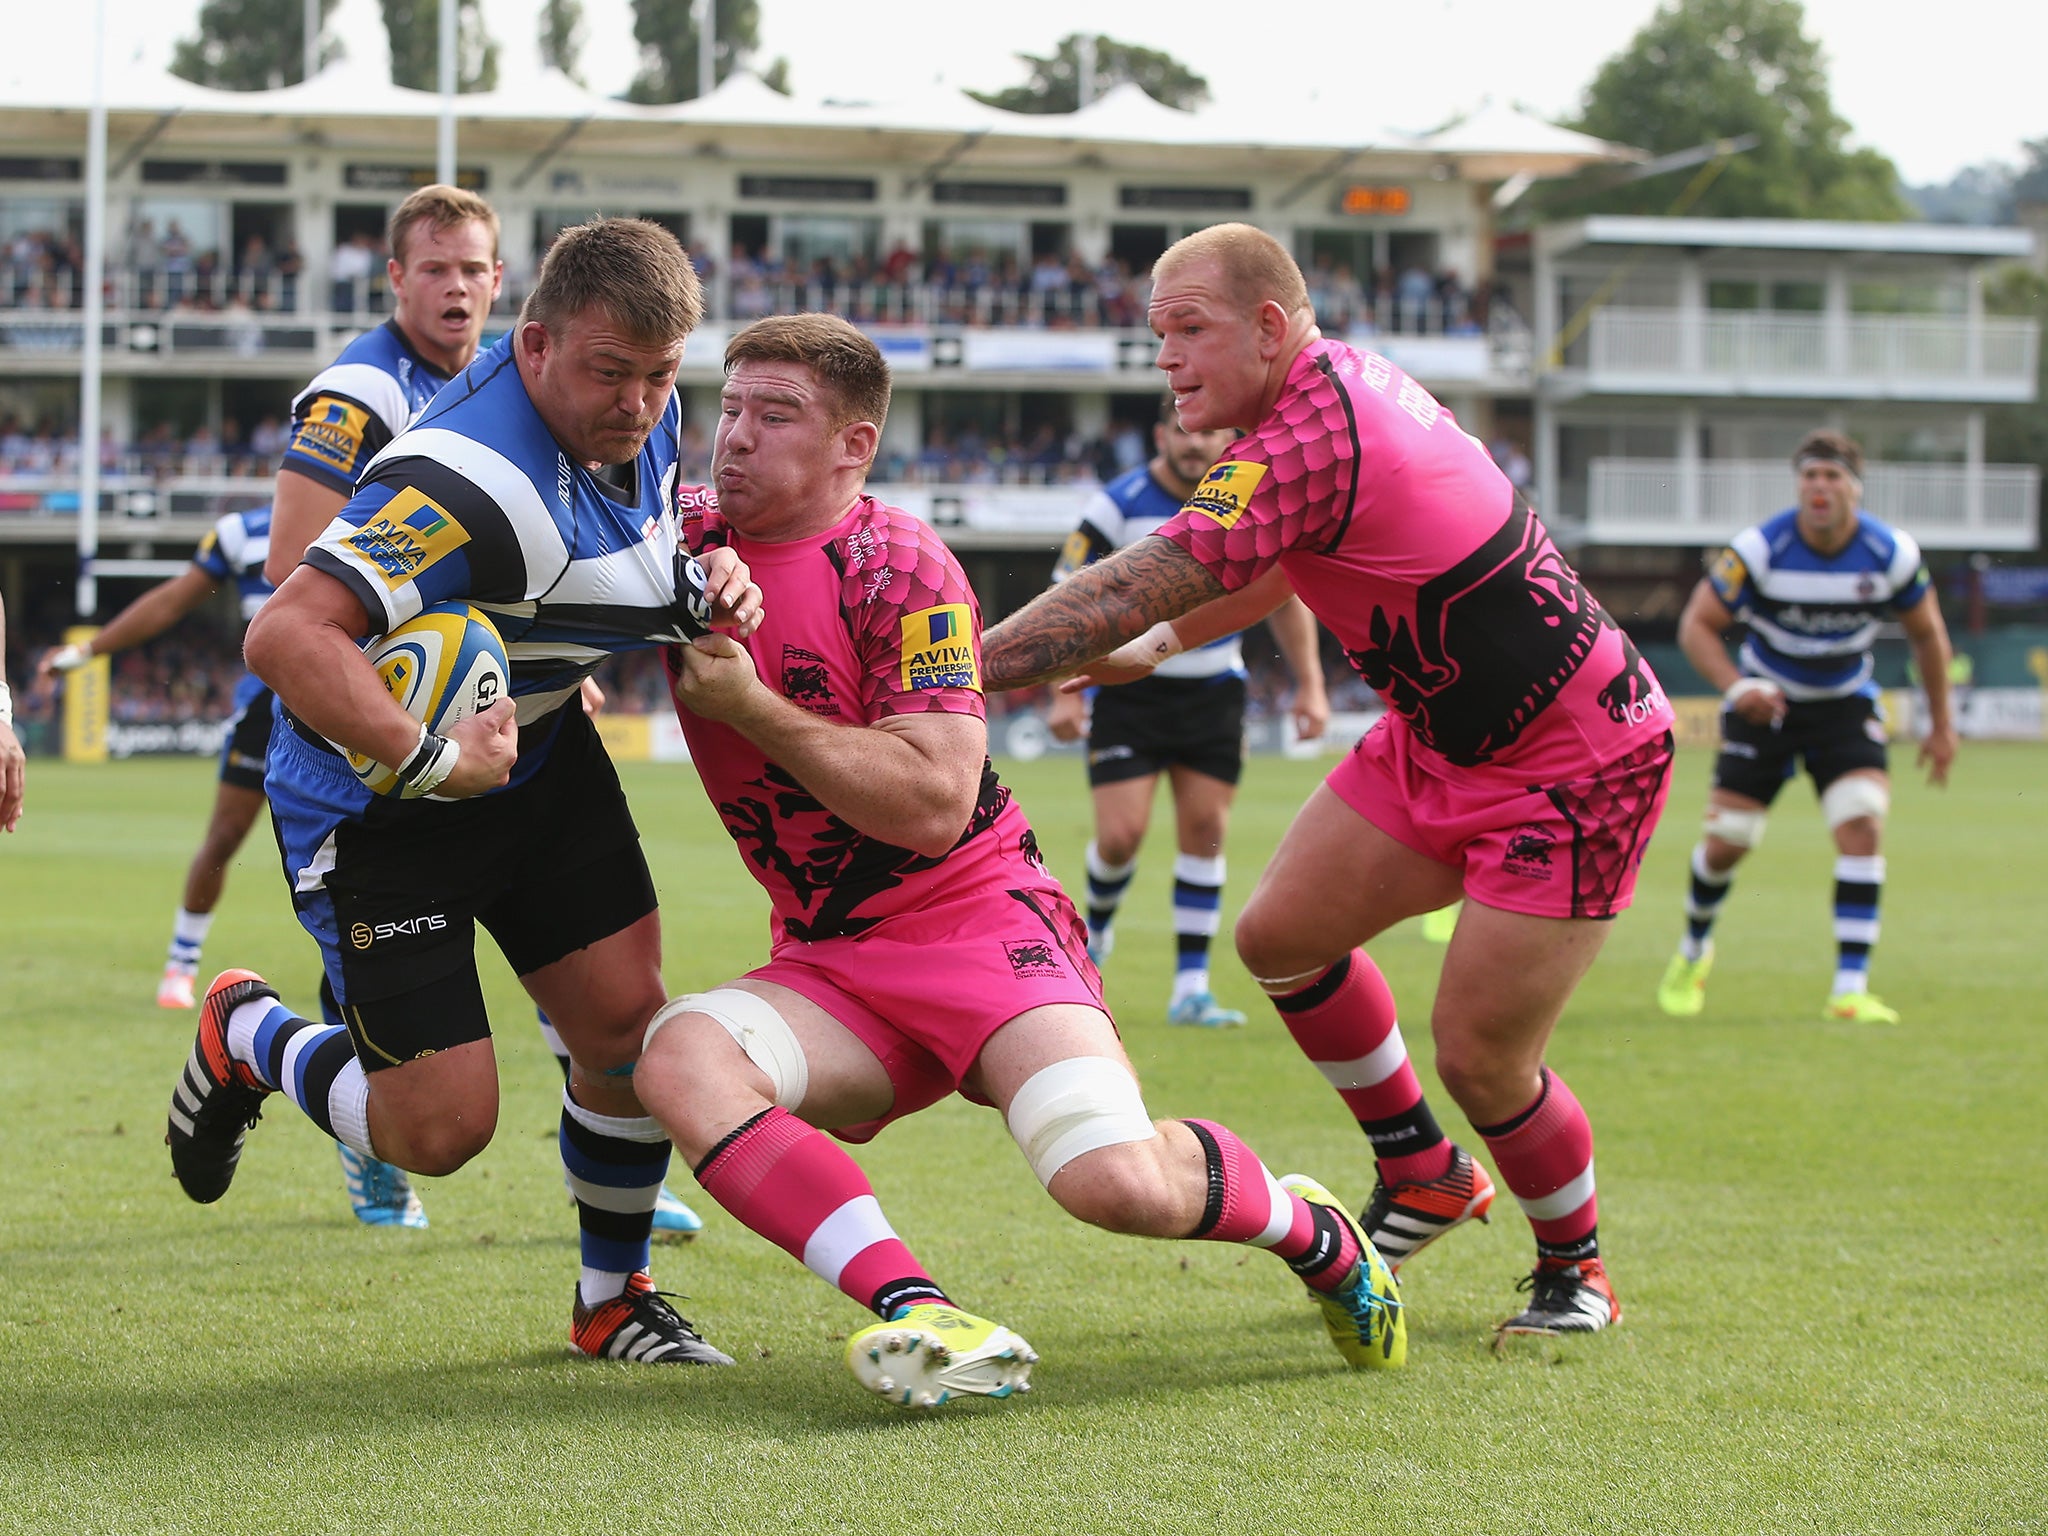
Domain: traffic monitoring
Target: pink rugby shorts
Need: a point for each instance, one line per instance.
(924, 990)
(1570, 849)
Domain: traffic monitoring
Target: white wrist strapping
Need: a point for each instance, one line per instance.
(1149, 649)
(70, 657)
(6, 704)
(1748, 685)
(428, 765)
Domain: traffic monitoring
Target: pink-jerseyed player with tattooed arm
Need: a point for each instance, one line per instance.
(1521, 765)
(917, 944)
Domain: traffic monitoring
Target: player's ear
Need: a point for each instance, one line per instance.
(859, 440)
(1271, 327)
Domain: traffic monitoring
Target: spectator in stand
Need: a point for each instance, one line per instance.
(349, 272)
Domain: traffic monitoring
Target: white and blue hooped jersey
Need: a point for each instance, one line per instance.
(1129, 508)
(1813, 618)
(476, 502)
(234, 549)
(357, 405)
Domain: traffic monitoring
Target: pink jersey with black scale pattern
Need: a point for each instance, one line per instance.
(871, 618)
(1397, 529)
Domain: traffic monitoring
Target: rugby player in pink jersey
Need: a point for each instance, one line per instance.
(917, 944)
(1522, 763)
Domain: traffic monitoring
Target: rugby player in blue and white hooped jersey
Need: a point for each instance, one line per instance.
(233, 551)
(1186, 720)
(1813, 584)
(539, 487)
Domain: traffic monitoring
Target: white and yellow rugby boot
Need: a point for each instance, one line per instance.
(932, 1353)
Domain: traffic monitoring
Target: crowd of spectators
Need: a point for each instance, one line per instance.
(161, 271)
(162, 452)
(974, 287)
(1411, 301)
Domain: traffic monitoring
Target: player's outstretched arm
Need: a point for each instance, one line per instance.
(1212, 621)
(144, 619)
(1927, 633)
(1094, 611)
(910, 780)
(13, 761)
(300, 510)
(1294, 631)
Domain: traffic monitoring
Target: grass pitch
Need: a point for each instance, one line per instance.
(1830, 1241)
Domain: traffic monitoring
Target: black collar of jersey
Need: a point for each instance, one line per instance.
(405, 345)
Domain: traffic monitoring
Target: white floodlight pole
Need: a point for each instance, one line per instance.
(94, 316)
(705, 14)
(312, 51)
(1084, 68)
(444, 146)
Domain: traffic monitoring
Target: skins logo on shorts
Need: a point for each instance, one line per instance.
(410, 533)
(938, 649)
(1227, 490)
(1033, 958)
(1528, 852)
(332, 434)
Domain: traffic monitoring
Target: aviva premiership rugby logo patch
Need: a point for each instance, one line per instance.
(938, 649)
(332, 433)
(1227, 490)
(410, 533)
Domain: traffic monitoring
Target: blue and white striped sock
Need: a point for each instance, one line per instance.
(614, 1166)
(1106, 886)
(1704, 894)
(1859, 883)
(313, 1064)
(1197, 914)
(188, 936)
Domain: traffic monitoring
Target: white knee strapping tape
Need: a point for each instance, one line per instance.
(1855, 796)
(1744, 829)
(761, 1032)
(1074, 1107)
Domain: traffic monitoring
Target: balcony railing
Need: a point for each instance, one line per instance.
(1019, 509)
(1944, 506)
(1766, 353)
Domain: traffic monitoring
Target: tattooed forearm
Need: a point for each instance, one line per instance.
(1093, 612)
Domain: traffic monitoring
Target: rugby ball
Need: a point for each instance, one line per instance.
(442, 666)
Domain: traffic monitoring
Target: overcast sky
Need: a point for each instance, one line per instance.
(1936, 89)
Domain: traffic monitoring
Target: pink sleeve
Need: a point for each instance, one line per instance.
(1288, 486)
(916, 627)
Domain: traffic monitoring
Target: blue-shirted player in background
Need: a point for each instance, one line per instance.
(232, 552)
(1185, 720)
(539, 486)
(1813, 584)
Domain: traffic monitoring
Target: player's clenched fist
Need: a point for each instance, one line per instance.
(734, 598)
(716, 678)
(490, 744)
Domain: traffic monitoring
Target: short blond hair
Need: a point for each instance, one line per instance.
(1255, 266)
(443, 207)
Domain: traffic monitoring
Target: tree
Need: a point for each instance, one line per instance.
(1703, 70)
(561, 36)
(666, 31)
(1054, 85)
(251, 45)
(414, 28)
(2030, 183)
